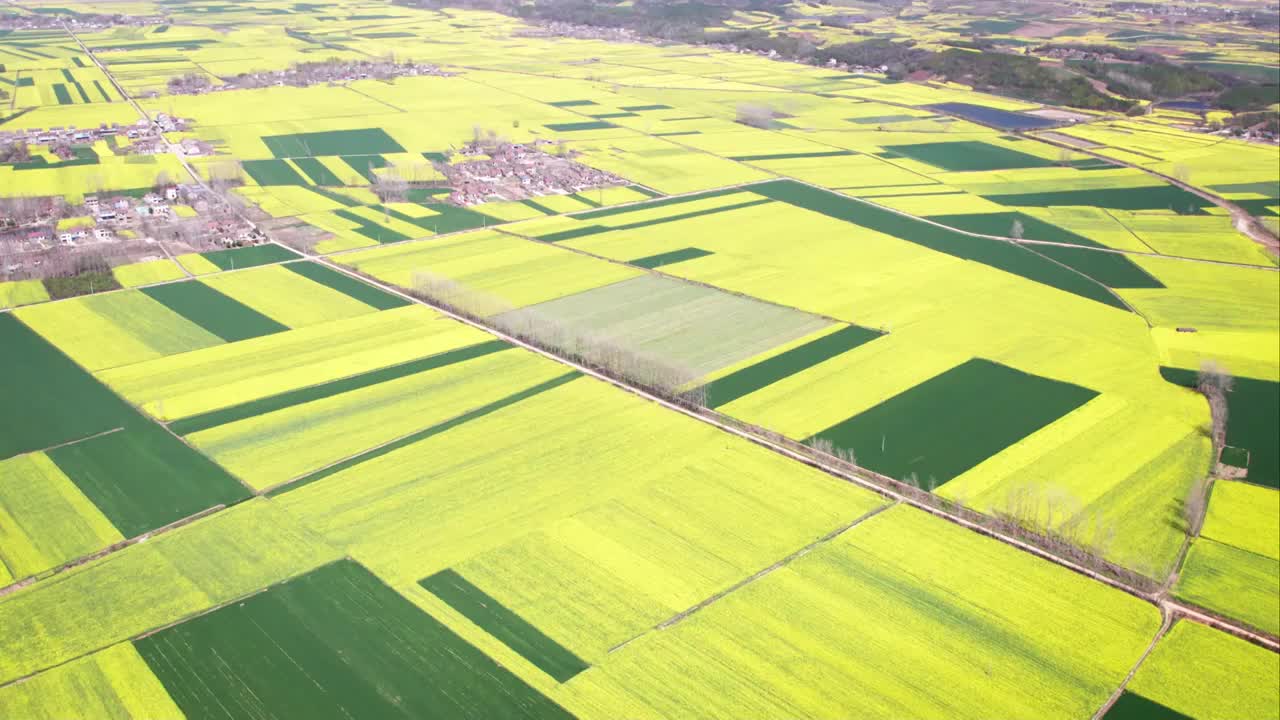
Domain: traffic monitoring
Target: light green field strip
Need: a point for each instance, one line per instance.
(1208, 297)
(197, 264)
(115, 329)
(1246, 516)
(197, 382)
(45, 520)
(142, 587)
(22, 292)
(616, 570)
(507, 272)
(1210, 675)
(1245, 353)
(286, 296)
(1123, 510)
(692, 327)
(269, 449)
(113, 683)
(885, 622)
(147, 273)
(1232, 582)
(535, 463)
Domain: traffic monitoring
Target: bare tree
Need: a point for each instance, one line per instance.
(757, 115)
(1214, 382)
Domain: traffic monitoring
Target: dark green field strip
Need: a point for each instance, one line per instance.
(998, 254)
(649, 205)
(247, 257)
(676, 134)
(273, 403)
(223, 316)
(272, 172)
(884, 119)
(1111, 269)
(572, 103)
(669, 258)
(743, 382)
(83, 95)
(793, 156)
(1269, 188)
(1132, 706)
(585, 200)
(946, 425)
(428, 432)
(642, 108)
(1253, 421)
(347, 285)
(1261, 208)
(578, 232)
(333, 644)
(316, 170)
(576, 126)
(365, 141)
(67, 74)
(142, 478)
(491, 616)
(84, 155)
(371, 229)
(1156, 197)
(60, 92)
(47, 398)
(365, 164)
(966, 155)
(611, 115)
(594, 229)
(102, 91)
(537, 206)
(334, 196)
(193, 44)
(448, 218)
(646, 191)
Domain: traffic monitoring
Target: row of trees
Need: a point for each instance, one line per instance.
(604, 354)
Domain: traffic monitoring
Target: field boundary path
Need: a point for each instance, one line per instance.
(1166, 622)
(1170, 606)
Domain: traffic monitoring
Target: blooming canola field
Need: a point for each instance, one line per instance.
(868, 409)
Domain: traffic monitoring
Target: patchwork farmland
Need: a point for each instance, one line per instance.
(371, 359)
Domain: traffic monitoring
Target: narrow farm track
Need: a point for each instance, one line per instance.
(1166, 622)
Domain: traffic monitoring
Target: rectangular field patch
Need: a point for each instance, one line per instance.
(143, 477)
(334, 643)
(365, 141)
(692, 328)
(741, 383)
(347, 285)
(214, 311)
(545, 653)
(953, 421)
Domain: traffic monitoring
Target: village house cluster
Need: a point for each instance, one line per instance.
(513, 171)
(77, 21)
(142, 137)
(305, 75)
(35, 230)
